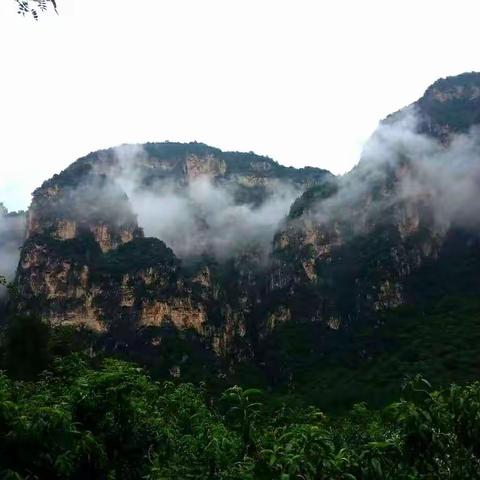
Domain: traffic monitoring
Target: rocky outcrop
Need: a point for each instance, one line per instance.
(209, 165)
(86, 263)
(64, 209)
(450, 105)
(154, 165)
(351, 246)
(349, 250)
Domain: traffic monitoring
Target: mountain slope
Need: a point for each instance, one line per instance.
(248, 251)
(87, 262)
(355, 244)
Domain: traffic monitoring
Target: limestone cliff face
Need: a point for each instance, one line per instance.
(350, 247)
(64, 209)
(138, 287)
(450, 105)
(154, 165)
(86, 262)
(352, 266)
(196, 166)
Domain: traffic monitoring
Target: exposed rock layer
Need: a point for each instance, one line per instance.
(340, 258)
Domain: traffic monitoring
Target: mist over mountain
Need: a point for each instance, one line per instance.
(205, 212)
(197, 199)
(12, 236)
(228, 250)
(400, 165)
(358, 240)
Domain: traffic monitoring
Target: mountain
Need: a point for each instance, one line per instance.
(87, 262)
(450, 105)
(391, 246)
(190, 258)
(356, 245)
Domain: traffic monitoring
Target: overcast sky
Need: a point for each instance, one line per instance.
(304, 82)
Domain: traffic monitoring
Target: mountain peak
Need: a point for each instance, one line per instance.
(451, 105)
(464, 85)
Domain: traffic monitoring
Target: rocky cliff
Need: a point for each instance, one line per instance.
(353, 246)
(86, 261)
(238, 264)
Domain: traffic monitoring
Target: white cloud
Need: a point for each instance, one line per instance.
(12, 230)
(202, 217)
(415, 173)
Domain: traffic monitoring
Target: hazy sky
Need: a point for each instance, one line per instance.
(302, 81)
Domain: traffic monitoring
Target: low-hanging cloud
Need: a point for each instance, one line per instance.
(12, 234)
(401, 166)
(194, 214)
(201, 216)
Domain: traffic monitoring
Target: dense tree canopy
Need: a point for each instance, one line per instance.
(113, 421)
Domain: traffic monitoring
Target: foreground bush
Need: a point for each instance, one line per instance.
(116, 423)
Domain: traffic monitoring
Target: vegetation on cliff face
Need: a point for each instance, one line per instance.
(169, 161)
(138, 254)
(309, 362)
(349, 249)
(354, 248)
(453, 102)
(311, 197)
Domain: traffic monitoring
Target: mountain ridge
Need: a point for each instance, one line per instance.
(336, 252)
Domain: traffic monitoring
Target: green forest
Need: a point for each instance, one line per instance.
(114, 422)
(80, 415)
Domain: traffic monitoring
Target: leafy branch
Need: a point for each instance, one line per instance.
(34, 7)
